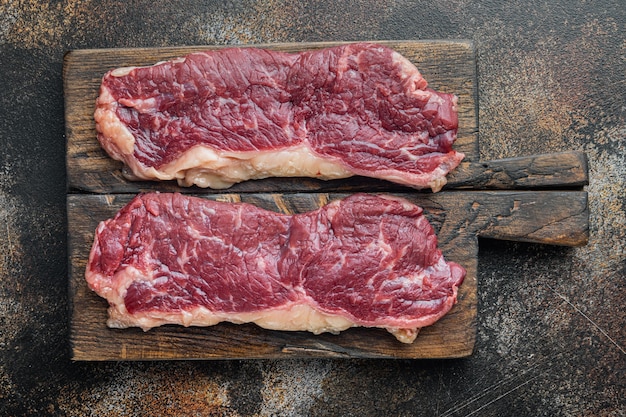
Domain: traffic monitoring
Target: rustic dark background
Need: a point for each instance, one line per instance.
(551, 337)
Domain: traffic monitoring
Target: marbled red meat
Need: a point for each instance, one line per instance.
(365, 260)
(219, 117)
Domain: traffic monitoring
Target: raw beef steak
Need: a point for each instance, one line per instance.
(366, 261)
(219, 117)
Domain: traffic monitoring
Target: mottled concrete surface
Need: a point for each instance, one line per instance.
(551, 338)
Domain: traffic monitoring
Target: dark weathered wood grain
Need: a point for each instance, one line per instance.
(459, 217)
(561, 170)
(448, 66)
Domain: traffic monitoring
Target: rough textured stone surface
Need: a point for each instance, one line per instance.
(551, 338)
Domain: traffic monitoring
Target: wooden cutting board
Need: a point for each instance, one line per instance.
(534, 199)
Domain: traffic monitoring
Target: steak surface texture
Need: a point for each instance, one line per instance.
(224, 116)
(365, 260)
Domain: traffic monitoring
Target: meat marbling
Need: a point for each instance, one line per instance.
(365, 260)
(220, 117)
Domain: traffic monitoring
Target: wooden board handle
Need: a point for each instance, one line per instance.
(547, 217)
(564, 169)
(559, 218)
